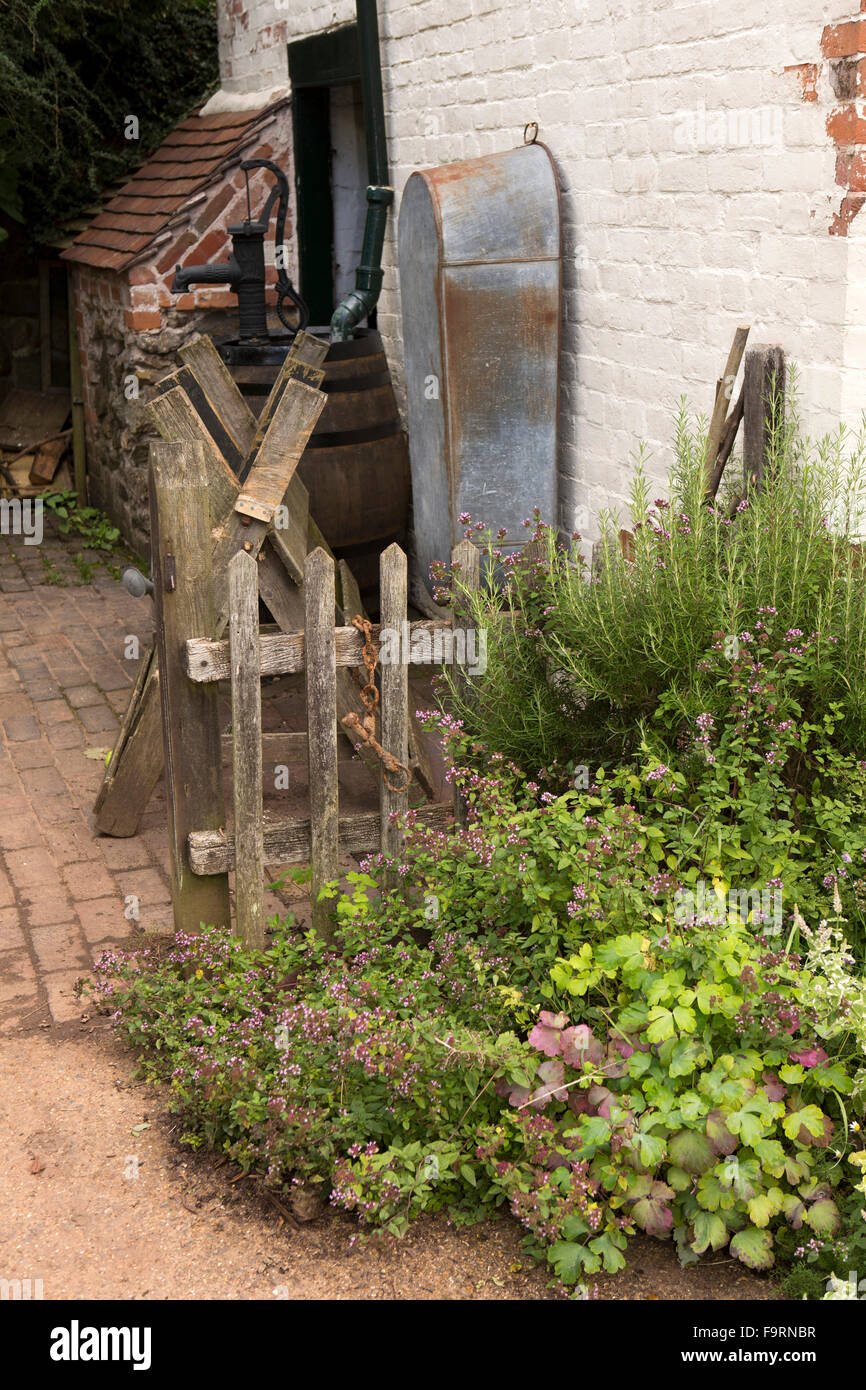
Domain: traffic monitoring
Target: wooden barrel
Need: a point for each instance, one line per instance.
(356, 465)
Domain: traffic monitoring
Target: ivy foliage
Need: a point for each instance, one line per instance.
(71, 72)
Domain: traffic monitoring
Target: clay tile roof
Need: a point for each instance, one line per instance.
(189, 161)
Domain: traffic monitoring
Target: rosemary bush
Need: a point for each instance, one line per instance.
(580, 666)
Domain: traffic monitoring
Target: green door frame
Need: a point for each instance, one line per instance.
(315, 65)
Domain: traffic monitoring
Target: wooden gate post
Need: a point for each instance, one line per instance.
(247, 749)
(183, 596)
(393, 586)
(320, 662)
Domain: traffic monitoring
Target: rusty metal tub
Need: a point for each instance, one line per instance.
(481, 285)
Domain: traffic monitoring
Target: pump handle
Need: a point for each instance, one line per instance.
(285, 288)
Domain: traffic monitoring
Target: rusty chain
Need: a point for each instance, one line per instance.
(366, 731)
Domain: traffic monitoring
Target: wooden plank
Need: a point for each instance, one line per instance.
(296, 418)
(44, 273)
(284, 600)
(286, 437)
(136, 760)
(183, 597)
(220, 391)
(321, 683)
(76, 391)
(178, 422)
(466, 558)
(763, 408)
(283, 653)
(724, 392)
(291, 529)
(247, 750)
(47, 460)
(393, 586)
(302, 364)
(289, 842)
(187, 380)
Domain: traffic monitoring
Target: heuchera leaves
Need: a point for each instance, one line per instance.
(754, 1248)
(691, 1151)
(721, 1138)
(649, 1205)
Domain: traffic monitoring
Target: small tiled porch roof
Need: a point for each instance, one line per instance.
(161, 195)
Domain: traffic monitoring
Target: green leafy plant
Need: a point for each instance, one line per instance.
(580, 665)
(94, 527)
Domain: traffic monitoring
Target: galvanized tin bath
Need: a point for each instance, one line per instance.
(481, 284)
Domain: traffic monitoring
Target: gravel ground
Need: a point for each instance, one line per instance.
(99, 1201)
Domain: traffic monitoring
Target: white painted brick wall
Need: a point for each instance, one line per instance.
(668, 247)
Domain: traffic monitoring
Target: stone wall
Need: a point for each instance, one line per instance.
(120, 367)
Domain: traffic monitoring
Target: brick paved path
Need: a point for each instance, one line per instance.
(64, 682)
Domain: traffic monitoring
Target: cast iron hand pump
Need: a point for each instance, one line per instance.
(244, 270)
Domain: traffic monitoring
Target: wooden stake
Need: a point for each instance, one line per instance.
(247, 750)
(183, 594)
(321, 681)
(393, 586)
(724, 392)
(764, 397)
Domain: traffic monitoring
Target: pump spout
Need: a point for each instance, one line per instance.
(244, 271)
(221, 273)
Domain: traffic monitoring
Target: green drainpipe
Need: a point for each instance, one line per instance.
(368, 277)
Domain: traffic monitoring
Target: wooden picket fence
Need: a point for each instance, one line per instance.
(191, 663)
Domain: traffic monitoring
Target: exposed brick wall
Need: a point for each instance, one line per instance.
(710, 160)
(204, 238)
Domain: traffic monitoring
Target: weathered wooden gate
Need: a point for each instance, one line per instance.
(191, 662)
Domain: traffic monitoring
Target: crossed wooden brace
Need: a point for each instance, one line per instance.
(252, 483)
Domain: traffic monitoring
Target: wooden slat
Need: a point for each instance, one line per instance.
(136, 760)
(297, 413)
(283, 653)
(280, 452)
(183, 597)
(467, 559)
(393, 585)
(178, 422)
(247, 750)
(186, 378)
(291, 530)
(321, 683)
(212, 852)
(302, 364)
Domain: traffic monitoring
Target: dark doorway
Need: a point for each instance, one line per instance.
(330, 172)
